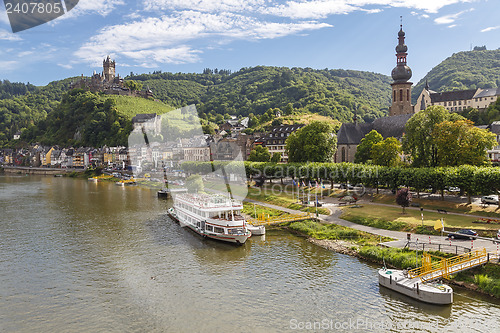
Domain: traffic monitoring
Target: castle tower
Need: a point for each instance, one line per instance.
(108, 66)
(401, 87)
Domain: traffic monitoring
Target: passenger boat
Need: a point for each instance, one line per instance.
(256, 230)
(429, 292)
(212, 216)
(166, 193)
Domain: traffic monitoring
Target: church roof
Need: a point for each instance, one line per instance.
(392, 126)
(488, 93)
(452, 96)
(351, 134)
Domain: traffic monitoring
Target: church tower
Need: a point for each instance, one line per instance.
(401, 87)
(108, 66)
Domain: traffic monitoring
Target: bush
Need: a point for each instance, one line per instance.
(395, 257)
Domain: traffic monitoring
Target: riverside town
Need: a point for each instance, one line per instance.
(289, 198)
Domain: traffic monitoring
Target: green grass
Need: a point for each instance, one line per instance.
(464, 208)
(395, 257)
(250, 209)
(412, 218)
(334, 232)
(487, 278)
(130, 106)
(284, 200)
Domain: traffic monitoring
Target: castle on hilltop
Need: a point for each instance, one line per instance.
(108, 82)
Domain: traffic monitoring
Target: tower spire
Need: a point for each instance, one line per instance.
(401, 74)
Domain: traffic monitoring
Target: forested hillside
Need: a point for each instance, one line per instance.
(217, 94)
(332, 93)
(23, 105)
(82, 119)
(464, 70)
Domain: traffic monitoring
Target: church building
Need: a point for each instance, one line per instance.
(350, 134)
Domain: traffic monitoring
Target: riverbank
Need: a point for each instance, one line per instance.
(484, 279)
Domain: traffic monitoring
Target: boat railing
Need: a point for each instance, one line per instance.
(206, 201)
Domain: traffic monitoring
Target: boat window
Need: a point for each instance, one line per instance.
(219, 230)
(209, 228)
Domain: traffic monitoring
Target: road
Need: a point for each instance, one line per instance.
(426, 242)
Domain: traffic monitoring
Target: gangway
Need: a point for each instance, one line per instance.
(266, 220)
(443, 268)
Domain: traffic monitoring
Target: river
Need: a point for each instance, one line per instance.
(79, 256)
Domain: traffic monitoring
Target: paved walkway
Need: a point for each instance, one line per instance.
(400, 238)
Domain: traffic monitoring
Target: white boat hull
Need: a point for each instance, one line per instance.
(426, 292)
(237, 239)
(256, 230)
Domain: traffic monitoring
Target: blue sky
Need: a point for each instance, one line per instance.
(189, 35)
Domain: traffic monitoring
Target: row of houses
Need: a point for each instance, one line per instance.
(56, 157)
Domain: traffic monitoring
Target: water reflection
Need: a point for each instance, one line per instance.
(82, 256)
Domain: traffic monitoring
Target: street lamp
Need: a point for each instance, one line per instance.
(422, 214)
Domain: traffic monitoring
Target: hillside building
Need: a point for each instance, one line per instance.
(275, 139)
(456, 101)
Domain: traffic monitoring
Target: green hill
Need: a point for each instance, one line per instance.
(331, 93)
(86, 119)
(129, 106)
(464, 70)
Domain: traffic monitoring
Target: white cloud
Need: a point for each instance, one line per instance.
(8, 65)
(315, 9)
(452, 26)
(3, 16)
(178, 55)
(24, 53)
(233, 6)
(84, 7)
(66, 66)
(6, 35)
(448, 19)
(164, 39)
(490, 28)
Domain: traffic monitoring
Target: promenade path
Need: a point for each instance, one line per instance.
(441, 243)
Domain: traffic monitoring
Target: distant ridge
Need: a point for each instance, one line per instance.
(462, 71)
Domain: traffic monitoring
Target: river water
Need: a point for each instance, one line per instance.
(79, 256)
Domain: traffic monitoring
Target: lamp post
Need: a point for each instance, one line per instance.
(422, 214)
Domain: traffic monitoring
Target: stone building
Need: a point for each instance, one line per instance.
(275, 139)
(456, 101)
(401, 87)
(108, 82)
(350, 134)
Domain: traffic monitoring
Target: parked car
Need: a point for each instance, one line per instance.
(463, 234)
(490, 199)
(453, 189)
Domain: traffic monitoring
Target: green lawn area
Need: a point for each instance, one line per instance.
(251, 209)
(464, 208)
(319, 230)
(130, 106)
(412, 217)
(283, 199)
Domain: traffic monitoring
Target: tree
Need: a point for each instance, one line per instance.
(315, 142)
(387, 152)
(133, 85)
(194, 184)
(276, 158)
(364, 150)
(418, 141)
(403, 198)
(260, 154)
(460, 142)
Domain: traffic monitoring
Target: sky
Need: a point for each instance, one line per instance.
(190, 35)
